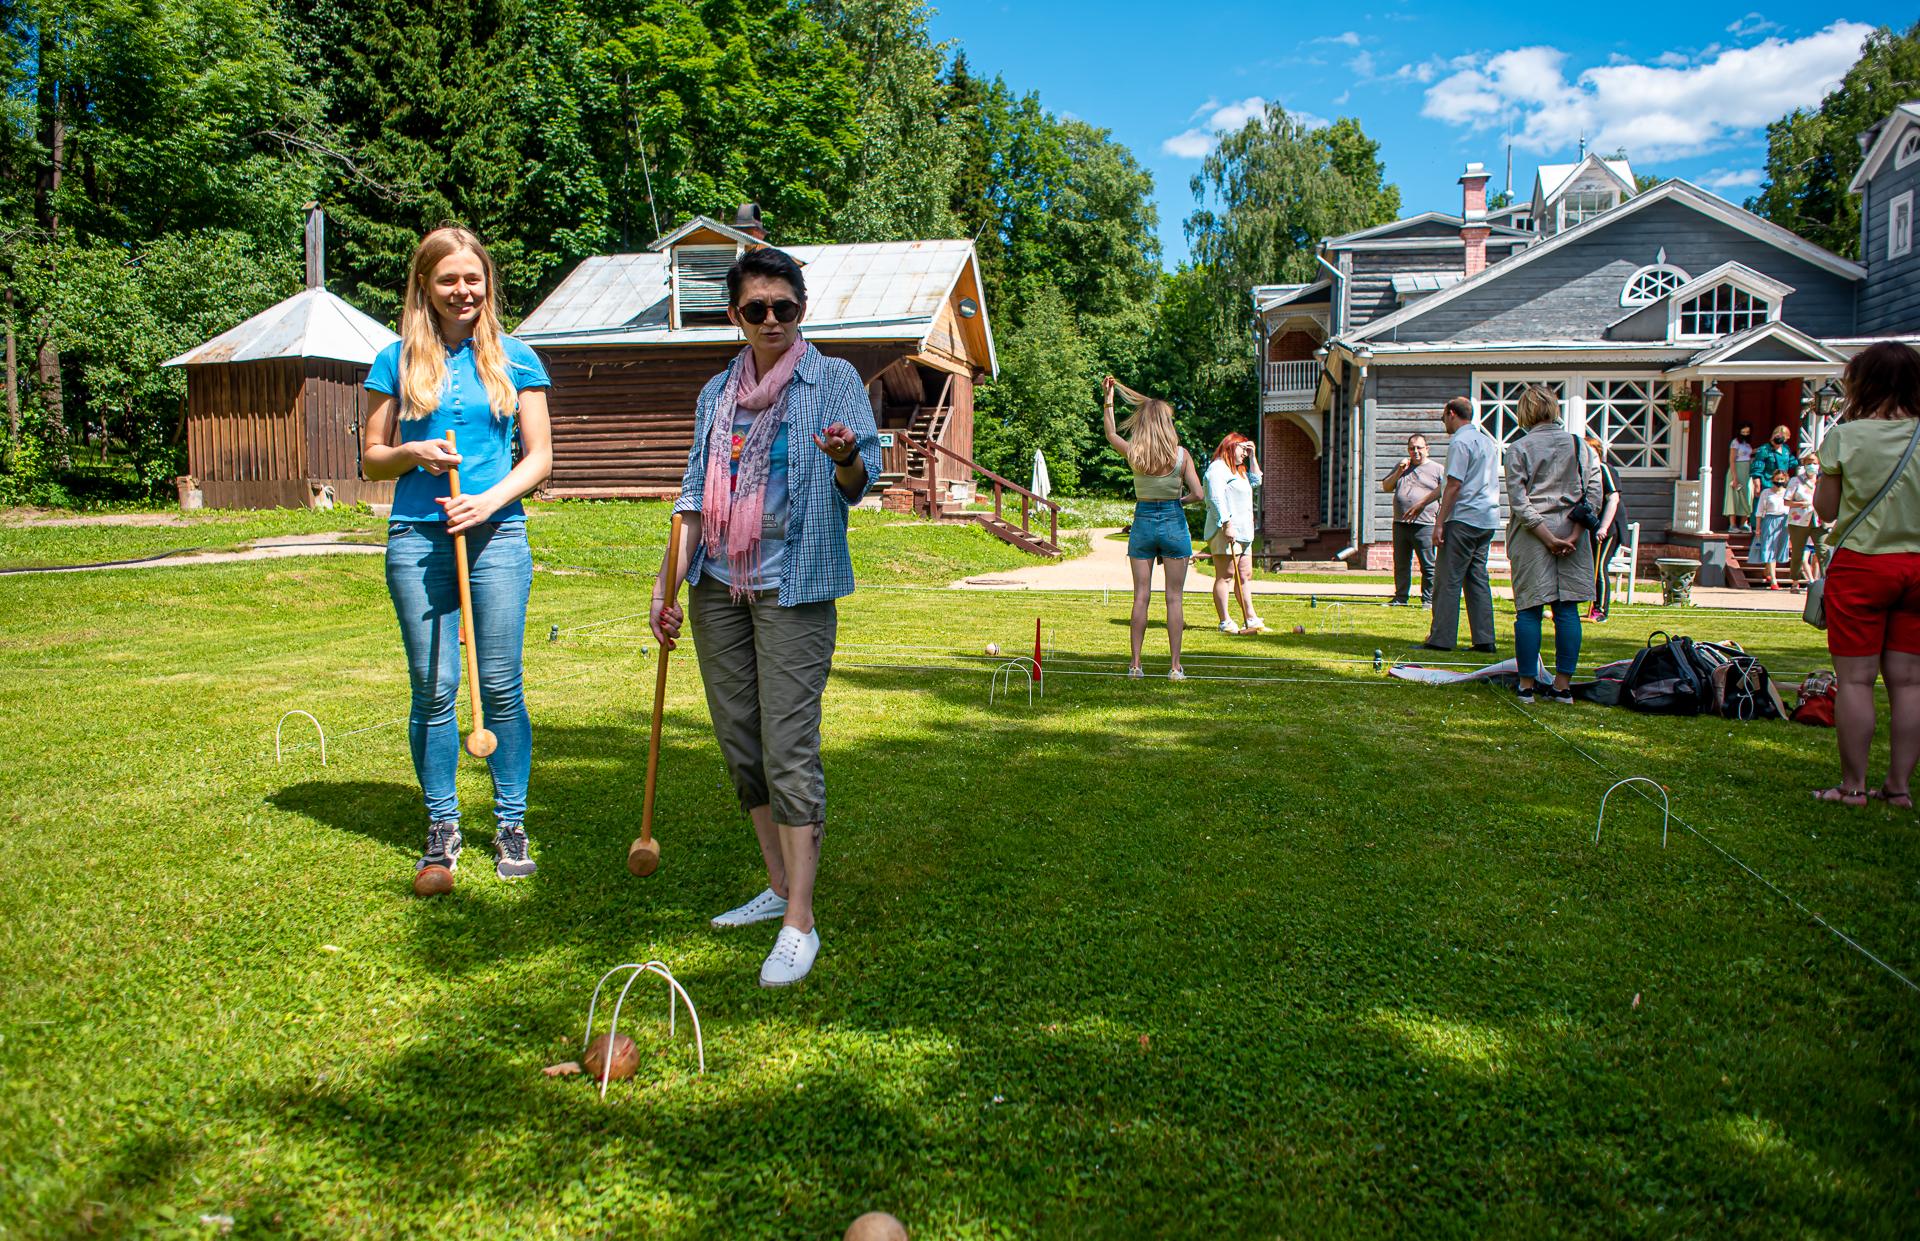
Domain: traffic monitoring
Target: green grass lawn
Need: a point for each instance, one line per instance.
(1318, 954)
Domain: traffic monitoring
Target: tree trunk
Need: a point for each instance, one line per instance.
(53, 136)
(13, 390)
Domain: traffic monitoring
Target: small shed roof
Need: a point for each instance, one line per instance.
(311, 324)
(878, 291)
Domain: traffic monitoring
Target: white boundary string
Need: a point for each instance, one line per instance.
(1770, 885)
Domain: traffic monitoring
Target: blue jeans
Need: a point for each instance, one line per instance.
(1566, 638)
(425, 587)
(1159, 532)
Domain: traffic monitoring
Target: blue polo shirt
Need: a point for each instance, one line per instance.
(485, 443)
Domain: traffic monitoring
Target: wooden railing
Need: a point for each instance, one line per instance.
(1290, 378)
(1000, 485)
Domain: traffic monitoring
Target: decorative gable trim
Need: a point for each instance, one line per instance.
(702, 231)
(1727, 359)
(1691, 195)
(1891, 138)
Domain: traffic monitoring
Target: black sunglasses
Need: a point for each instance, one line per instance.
(756, 311)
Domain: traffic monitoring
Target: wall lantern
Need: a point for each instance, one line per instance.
(1827, 398)
(1710, 399)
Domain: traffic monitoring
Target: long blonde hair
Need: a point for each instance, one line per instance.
(423, 356)
(1153, 446)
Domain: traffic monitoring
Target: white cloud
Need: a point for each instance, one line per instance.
(1662, 110)
(1750, 25)
(1733, 178)
(1215, 118)
(1347, 38)
(1340, 100)
(1362, 65)
(1431, 68)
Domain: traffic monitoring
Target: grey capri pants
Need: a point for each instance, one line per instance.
(765, 668)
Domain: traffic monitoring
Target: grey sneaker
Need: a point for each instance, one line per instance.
(763, 908)
(511, 860)
(443, 845)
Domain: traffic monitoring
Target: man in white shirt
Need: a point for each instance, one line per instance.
(1463, 530)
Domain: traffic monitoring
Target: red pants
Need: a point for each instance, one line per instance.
(1873, 604)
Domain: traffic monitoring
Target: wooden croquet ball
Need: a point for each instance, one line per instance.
(432, 881)
(876, 1226)
(626, 1057)
(644, 858)
(481, 742)
(1299, 628)
(993, 648)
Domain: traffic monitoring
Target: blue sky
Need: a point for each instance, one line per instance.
(1687, 88)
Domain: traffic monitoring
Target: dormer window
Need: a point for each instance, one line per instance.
(1722, 311)
(700, 282)
(1729, 299)
(1585, 204)
(1651, 283)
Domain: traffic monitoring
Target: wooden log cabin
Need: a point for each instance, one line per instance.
(630, 339)
(275, 405)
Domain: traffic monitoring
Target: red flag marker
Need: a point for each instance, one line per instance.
(1036, 648)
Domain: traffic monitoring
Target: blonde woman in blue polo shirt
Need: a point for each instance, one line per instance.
(453, 369)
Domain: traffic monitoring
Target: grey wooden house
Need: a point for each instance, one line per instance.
(1663, 319)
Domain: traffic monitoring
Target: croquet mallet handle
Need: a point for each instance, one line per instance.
(466, 601)
(669, 595)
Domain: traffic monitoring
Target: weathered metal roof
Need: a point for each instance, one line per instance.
(1425, 281)
(881, 291)
(311, 324)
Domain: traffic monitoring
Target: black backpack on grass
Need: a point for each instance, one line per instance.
(1666, 678)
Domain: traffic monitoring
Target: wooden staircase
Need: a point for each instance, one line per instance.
(928, 500)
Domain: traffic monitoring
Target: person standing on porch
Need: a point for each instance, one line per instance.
(783, 446)
(1413, 482)
(1803, 524)
(1770, 544)
(1739, 488)
(1550, 472)
(1463, 530)
(1231, 477)
(1613, 519)
(1873, 580)
(1163, 480)
(1771, 456)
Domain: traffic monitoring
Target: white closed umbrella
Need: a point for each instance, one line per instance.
(1042, 485)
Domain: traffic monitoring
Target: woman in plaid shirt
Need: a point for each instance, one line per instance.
(783, 445)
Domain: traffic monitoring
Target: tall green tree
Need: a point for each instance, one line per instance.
(1813, 153)
(900, 176)
(1049, 378)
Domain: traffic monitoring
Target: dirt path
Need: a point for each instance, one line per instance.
(278, 547)
(1105, 567)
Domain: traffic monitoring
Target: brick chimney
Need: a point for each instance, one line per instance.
(1473, 217)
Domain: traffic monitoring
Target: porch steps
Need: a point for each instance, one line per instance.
(1007, 532)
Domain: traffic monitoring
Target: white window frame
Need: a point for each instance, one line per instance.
(1626, 290)
(1574, 413)
(1909, 149)
(1659, 393)
(1900, 225)
(1611, 195)
(1675, 311)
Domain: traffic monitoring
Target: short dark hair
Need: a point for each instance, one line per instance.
(768, 262)
(1882, 381)
(1460, 407)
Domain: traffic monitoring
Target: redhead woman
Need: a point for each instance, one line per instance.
(1231, 477)
(454, 369)
(1163, 480)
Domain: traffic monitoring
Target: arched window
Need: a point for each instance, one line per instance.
(1723, 310)
(1909, 149)
(1651, 283)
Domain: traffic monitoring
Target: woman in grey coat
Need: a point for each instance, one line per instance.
(1549, 471)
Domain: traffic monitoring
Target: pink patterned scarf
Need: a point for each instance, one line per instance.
(734, 504)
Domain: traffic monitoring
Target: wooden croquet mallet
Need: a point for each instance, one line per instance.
(644, 857)
(480, 742)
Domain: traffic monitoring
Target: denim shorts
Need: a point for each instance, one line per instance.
(1159, 531)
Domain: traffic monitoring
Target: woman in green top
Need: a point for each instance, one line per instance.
(1873, 583)
(1163, 480)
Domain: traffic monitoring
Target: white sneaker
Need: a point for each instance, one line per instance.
(1227, 626)
(791, 958)
(762, 908)
(1174, 674)
(1255, 625)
